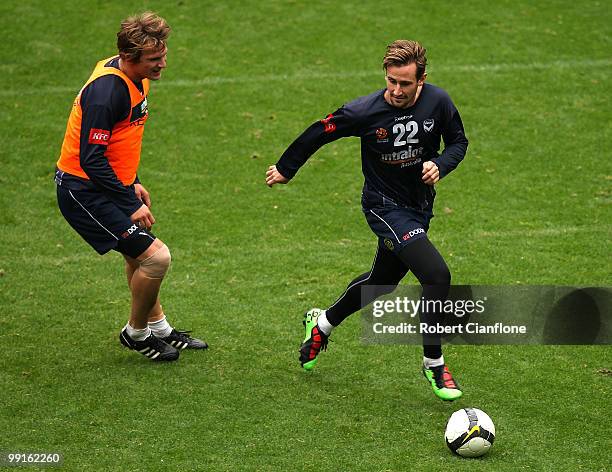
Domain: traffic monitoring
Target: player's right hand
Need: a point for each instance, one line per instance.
(273, 176)
(143, 217)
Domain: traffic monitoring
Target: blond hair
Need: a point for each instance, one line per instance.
(142, 32)
(403, 52)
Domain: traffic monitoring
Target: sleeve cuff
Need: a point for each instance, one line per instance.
(284, 171)
(441, 168)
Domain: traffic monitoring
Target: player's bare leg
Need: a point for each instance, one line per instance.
(145, 278)
(131, 265)
(145, 287)
(156, 319)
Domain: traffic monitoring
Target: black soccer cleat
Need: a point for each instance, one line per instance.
(182, 340)
(152, 347)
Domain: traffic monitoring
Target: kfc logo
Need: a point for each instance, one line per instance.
(99, 136)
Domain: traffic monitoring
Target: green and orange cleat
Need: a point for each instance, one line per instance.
(442, 383)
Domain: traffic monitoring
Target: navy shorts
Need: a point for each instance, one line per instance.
(395, 225)
(101, 223)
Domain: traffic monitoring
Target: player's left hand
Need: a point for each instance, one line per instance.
(431, 174)
(142, 194)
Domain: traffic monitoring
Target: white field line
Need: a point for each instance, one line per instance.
(536, 232)
(311, 75)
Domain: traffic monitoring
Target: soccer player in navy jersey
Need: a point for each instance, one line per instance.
(98, 190)
(400, 128)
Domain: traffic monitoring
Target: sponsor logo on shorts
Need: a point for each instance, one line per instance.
(129, 231)
(428, 124)
(389, 244)
(99, 136)
(412, 233)
(329, 126)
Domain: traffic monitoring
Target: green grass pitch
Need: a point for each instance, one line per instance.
(529, 205)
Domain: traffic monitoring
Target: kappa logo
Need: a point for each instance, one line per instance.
(329, 126)
(99, 136)
(381, 133)
(428, 124)
(412, 233)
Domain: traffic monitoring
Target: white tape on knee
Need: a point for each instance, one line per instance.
(156, 266)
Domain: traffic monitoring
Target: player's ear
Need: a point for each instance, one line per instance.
(125, 58)
(422, 79)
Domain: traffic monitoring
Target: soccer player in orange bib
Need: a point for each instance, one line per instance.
(98, 190)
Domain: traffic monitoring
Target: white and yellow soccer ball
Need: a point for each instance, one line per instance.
(469, 432)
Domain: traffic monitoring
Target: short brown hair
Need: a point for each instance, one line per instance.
(141, 32)
(403, 52)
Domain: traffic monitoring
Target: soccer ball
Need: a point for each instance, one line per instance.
(470, 432)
